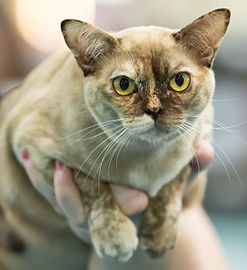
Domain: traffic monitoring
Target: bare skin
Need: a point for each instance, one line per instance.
(67, 202)
(198, 245)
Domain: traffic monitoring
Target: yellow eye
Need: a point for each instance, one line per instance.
(180, 81)
(123, 85)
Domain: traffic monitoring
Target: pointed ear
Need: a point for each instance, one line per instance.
(203, 36)
(88, 43)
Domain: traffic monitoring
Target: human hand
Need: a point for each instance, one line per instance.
(66, 199)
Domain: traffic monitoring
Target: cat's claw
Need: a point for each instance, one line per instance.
(124, 257)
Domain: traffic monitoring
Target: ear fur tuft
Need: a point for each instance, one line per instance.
(87, 42)
(203, 36)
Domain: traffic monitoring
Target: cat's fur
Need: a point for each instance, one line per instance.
(57, 100)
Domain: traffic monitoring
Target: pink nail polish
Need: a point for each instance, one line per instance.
(25, 154)
(59, 165)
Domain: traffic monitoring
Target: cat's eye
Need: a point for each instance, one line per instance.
(180, 81)
(123, 85)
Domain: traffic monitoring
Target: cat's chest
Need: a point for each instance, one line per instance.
(132, 165)
(148, 170)
(156, 171)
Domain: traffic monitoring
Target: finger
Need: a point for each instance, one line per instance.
(67, 194)
(204, 155)
(38, 180)
(130, 200)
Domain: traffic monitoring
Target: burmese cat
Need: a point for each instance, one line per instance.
(140, 98)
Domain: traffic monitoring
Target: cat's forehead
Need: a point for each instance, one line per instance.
(151, 52)
(146, 36)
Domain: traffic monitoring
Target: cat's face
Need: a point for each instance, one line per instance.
(144, 64)
(151, 82)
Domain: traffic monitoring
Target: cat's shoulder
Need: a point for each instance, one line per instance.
(54, 66)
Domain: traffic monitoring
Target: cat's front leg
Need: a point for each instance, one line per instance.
(29, 135)
(160, 221)
(113, 234)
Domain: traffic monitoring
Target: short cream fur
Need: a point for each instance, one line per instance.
(62, 96)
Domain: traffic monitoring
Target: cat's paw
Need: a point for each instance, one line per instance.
(114, 236)
(158, 241)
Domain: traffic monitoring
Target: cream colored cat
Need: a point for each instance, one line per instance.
(130, 110)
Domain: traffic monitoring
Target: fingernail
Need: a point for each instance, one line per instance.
(59, 165)
(195, 164)
(25, 154)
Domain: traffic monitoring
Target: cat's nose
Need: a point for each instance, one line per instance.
(153, 112)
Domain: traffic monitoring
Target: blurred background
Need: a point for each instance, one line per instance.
(30, 31)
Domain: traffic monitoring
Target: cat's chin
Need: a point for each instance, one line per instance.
(156, 135)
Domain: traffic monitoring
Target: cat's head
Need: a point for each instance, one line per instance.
(150, 81)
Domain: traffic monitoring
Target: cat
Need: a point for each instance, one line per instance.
(126, 108)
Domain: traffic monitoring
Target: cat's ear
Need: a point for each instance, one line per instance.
(88, 43)
(203, 36)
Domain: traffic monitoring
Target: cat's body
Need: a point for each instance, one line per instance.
(48, 240)
(56, 101)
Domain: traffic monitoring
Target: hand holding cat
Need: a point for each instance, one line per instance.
(67, 201)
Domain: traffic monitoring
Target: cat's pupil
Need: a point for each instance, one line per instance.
(179, 80)
(124, 83)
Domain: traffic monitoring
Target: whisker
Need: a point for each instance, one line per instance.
(120, 145)
(106, 151)
(221, 160)
(228, 159)
(126, 139)
(112, 155)
(193, 138)
(98, 158)
(97, 147)
(97, 125)
(117, 144)
(94, 136)
(223, 127)
(226, 100)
